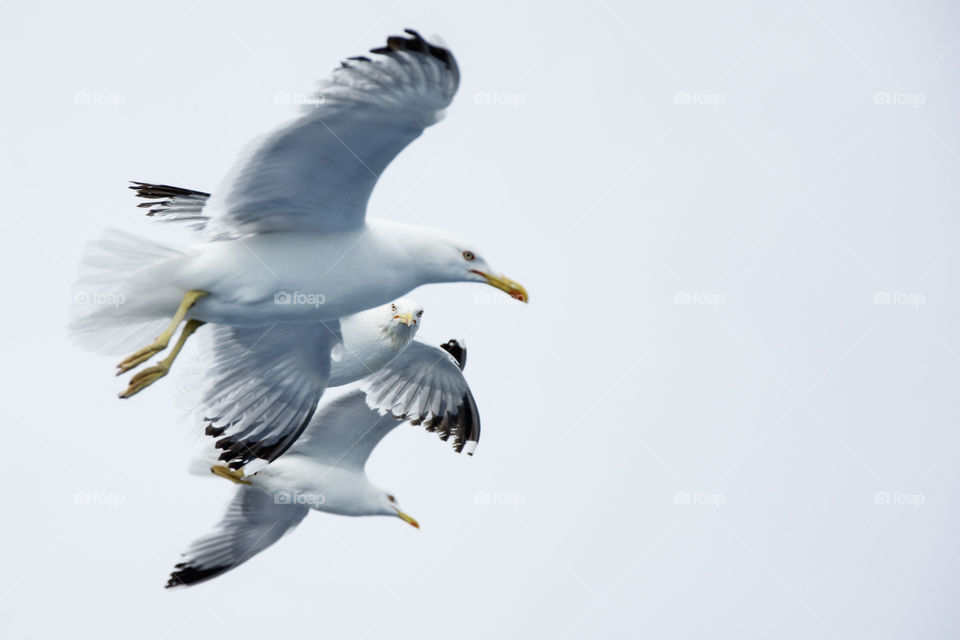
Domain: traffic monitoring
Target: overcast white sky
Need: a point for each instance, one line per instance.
(729, 410)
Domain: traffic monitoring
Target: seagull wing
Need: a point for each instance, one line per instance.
(316, 173)
(425, 386)
(263, 386)
(344, 430)
(252, 523)
(349, 425)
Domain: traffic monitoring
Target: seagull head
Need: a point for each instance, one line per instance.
(479, 271)
(400, 321)
(391, 508)
(452, 260)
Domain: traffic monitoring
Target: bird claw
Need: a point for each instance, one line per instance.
(139, 357)
(233, 475)
(145, 378)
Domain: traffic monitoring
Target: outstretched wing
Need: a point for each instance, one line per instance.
(263, 386)
(252, 523)
(344, 430)
(317, 172)
(425, 385)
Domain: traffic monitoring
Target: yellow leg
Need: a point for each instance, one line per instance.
(150, 375)
(141, 356)
(233, 475)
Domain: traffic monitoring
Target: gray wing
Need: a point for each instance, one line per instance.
(425, 386)
(263, 386)
(344, 430)
(317, 172)
(252, 523)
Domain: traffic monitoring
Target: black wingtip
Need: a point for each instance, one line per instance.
(186, 575)
(457, 350)
(151, 191)
(418, 44)
(238, 450)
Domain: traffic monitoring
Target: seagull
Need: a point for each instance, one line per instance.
(406, 378)
(323, 470)
(286, 240)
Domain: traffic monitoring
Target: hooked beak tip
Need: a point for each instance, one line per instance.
(408, 519)
(511, 287)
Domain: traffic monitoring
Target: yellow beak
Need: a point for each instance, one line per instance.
(406, 318)
(512, 287)
(410, 521)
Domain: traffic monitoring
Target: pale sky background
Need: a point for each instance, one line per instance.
(706, 424)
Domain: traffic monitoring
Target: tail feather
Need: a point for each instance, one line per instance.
(109, 313)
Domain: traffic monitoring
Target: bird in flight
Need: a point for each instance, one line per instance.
(322, 471)
(287, 248)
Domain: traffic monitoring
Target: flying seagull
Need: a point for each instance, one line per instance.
(406, 378)
(323, 470)
(287, 241)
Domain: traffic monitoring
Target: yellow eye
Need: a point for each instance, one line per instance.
(468, 256)
(393, 308)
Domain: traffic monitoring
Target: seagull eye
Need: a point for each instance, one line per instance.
(420, 314)
(468, 256)
(393, 308)
(391, 499)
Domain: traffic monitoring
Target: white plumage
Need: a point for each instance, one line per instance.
(268, 379)
(288, 251)
(323, 470)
